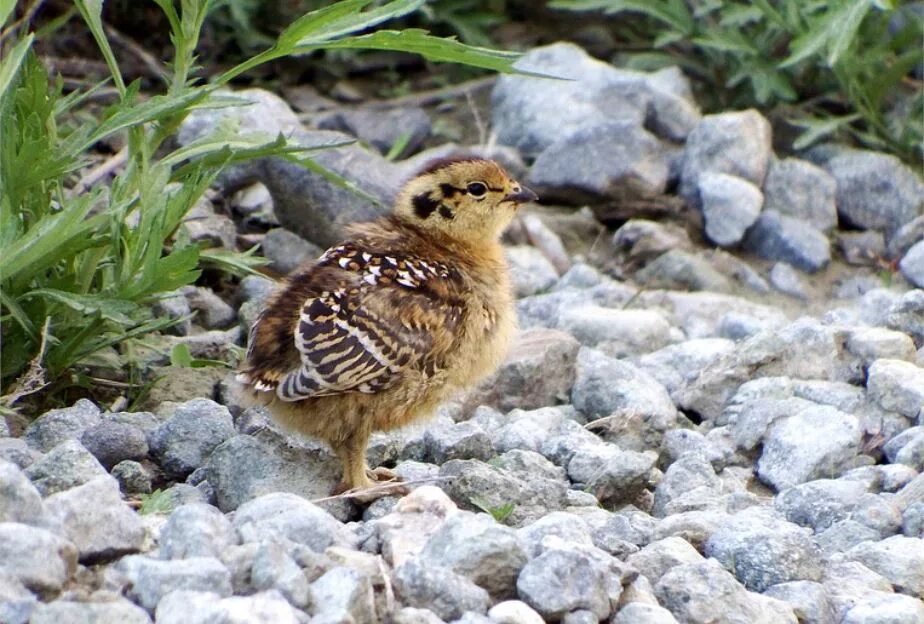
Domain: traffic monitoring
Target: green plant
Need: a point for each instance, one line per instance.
(157, 502)
(833, 63)
(81, 265)
(500, 512)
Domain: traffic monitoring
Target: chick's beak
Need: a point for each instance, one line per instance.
(522, 196)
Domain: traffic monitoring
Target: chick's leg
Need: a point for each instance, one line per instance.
(352, 454)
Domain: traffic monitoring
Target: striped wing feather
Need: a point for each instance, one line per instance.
(366, 320)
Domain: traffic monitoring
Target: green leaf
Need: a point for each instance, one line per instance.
(341, 19)
(398, 146)
(833, 32)
(92, 13)
(436, 49)
(817, 129)
(6, 8)
(117, 310)
(234, 262)
(9, 66)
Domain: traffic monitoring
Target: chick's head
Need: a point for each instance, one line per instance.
(471, 200)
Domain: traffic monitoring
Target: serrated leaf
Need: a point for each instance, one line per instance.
(118, 310)
(817, 129)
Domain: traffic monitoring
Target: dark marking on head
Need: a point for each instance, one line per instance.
(424, 205)
(441, 163)
(446, 213)
(449, 190)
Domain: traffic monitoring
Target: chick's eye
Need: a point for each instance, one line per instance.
(477, 189)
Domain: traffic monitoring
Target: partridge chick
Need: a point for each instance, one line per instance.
(387, 324)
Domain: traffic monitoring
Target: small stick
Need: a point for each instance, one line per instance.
(479, 122)
(382, 488)
(100, 171)
(155, 67)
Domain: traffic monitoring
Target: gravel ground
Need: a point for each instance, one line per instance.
(712, 419)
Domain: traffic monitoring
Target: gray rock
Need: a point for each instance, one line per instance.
(658, 557)
(640, 240)
(613, 475)
(643, 613)
(596, 94)
(762, 550)
(120, 612)
(19, 500)
(442, 591)
(602, 162)
(906, 236)
(383, 128)
(873, 343)
(133, 477)
(886, 609)
(874, 190)
(802, 190)
(907, 315)
(96, 520)
(274, 568)
(57, 425)
(850, 582)
(679, 364)
(898, 558)
(411, 615)
(196, 530)
(538, 371)
(213, 311)
(680, 270)
(604, 386)
(820, 503)
(779, 237)
(907, 448)
(16, 602)
(896, 386)
(36, 558)
(730, 206)
(566, 526)
(475, 546)
(476, 486)
(913, 520)
(691, 473)
(256, 287)
(706, 592)
(16, 451)
(283, 515)
(559, 581)
(343, 594)
(112, 442)
(528, 430)
(204, 607)
(147, 580)
(175, 306)
(788, 281)
(808, 601)
(244, 467)
(844, 535)
(736, 143)
(817, 442)
(514, 612)
(565, 440)
(287, 251)
(882, 513)
(862, 248)
(464, 440)
(625, 332)
(530, 270)
(67, 465)
(187, 438)
(206, 227)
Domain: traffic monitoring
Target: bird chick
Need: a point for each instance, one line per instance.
(404, 312)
